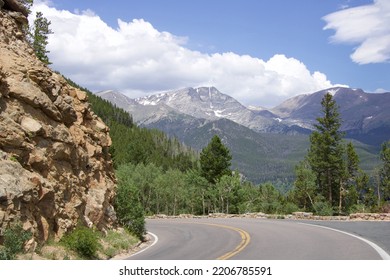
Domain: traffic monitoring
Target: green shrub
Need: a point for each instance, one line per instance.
(359, 208)
(3, 254)
(14, 239)
(323, 208)
(290, 208)
(84, 241)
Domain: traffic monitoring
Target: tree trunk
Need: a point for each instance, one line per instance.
(203, 205)
(227, 206)
(311, 200)
(341, 197)
(329, 183)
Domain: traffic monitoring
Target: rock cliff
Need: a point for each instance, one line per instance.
(55, 168)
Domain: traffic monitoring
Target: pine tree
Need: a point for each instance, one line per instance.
(215, 160)
(349, 194)
(39, 38)
(326, 150)
(385, 171)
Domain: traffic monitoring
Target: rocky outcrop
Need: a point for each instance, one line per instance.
(55, 166)
(14, 5)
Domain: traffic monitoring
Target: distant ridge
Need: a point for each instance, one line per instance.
(266, 144)
(365, 116)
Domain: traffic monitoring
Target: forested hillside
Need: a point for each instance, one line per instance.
(136, 145)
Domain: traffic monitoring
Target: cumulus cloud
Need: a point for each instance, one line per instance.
(366, 26)
(137, 59)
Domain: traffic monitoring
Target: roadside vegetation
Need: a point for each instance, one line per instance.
(82, 243)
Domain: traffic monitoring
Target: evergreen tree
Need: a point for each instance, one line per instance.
(215, 160)
(367, 199)
(348, 192)
(39, 35)
(326, 150)
(385, 171)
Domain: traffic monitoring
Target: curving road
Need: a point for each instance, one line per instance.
(254, 239)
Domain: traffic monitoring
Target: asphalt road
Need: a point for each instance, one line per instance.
(255, 239)
(374, 231)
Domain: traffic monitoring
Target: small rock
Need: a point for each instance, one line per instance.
(81, 95)
(100, 126)
(30, 125)
(30, 245)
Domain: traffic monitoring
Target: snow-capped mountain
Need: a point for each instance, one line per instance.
(210, 104)
(365, 116)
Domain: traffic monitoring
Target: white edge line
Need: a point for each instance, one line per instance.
(154, 243)
(382, 253)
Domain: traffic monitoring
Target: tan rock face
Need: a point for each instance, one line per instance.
(55, 169)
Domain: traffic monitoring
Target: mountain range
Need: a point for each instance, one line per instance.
(266, 144)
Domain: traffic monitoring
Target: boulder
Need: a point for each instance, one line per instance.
(31, 125)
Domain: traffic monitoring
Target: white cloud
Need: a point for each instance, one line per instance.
(368, 27)
(137, 59)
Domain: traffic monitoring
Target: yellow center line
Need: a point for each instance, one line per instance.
(245, 239)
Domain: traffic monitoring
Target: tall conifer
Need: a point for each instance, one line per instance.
(215, 160)
(326, 150)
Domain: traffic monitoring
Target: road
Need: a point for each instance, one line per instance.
(256, 239)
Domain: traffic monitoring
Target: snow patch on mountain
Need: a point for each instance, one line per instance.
(361, 112)
(333, 91)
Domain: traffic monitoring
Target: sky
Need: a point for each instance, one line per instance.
(261, 52)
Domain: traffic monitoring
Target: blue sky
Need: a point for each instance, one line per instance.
(259, 51)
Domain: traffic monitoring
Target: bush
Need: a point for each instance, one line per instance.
(323, 208)
(290, 208)
(14, 239)
(3, 254)
(359, 208)
(84, 241)
(385, 208)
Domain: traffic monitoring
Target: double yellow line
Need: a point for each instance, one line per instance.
(245, 239)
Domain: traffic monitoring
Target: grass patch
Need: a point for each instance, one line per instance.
(116, 242)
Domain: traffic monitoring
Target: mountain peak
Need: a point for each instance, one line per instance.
(361, 112)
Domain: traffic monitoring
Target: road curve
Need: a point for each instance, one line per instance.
(251, 239)
(185, 240)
